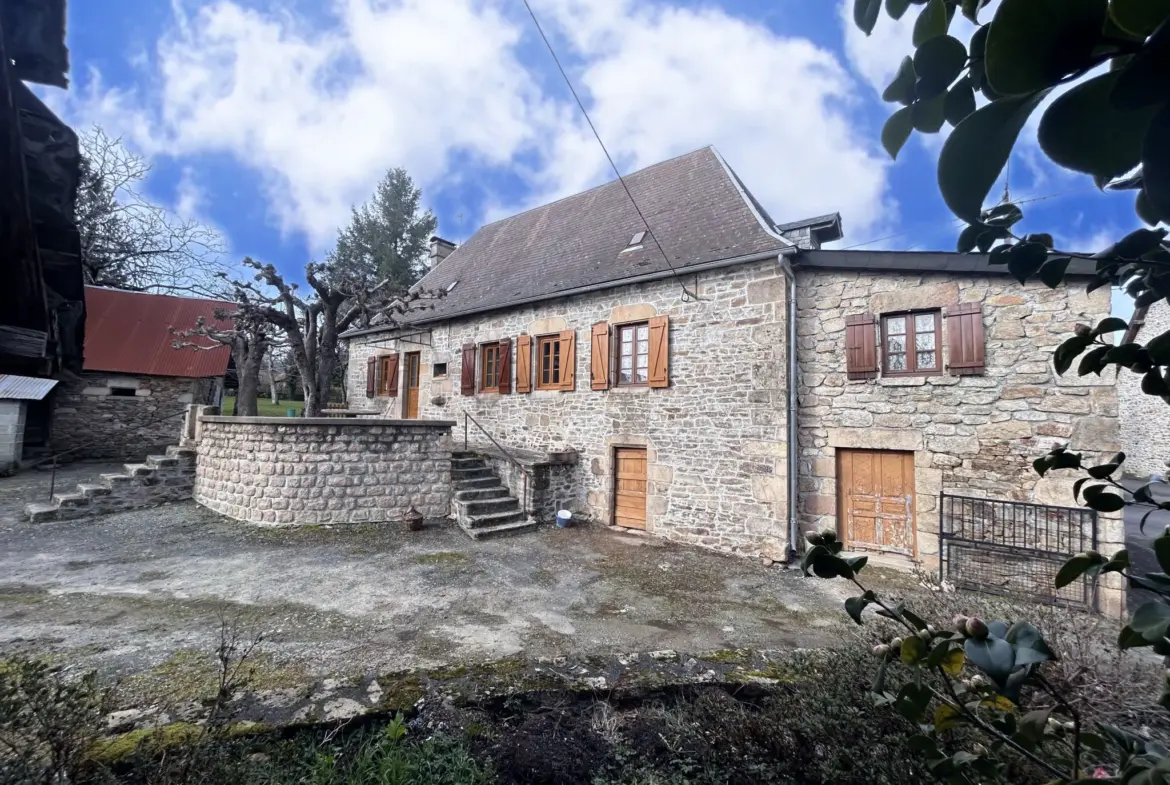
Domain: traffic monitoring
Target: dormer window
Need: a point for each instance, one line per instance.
(635, 242)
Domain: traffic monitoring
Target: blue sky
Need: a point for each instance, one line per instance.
(268, 120)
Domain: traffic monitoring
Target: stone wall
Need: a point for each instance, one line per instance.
(1145, 419)
(281, 472)
(112, 416)
(549, 486)
(971, 435)
(12, 415)
(715, 438)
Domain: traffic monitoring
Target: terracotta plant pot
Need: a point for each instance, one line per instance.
(413, 520)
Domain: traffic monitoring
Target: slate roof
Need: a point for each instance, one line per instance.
(916, 262)
(695, 204)
(129, 332)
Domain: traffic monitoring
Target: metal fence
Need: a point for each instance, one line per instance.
(1014, 548)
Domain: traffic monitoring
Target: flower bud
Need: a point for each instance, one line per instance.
(813, 538)
(1083, 330)
(960, 623)
(896, 644)
(881, 650)
(977, 628)
(924, 635)
(828, 535)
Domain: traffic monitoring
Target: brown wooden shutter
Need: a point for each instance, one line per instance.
(659, 351)
(568, 340)
(965, 339)
(860, 346)
(371, 377)
(504, 367)
(391, 374)
(467, 377)
(524, 364)
(599, 357)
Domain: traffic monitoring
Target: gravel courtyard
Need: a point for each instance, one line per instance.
(126, 592)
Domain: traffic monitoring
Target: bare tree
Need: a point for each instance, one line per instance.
(313, 325)
(249, 339)
(129, 242)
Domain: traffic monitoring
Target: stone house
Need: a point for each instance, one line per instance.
(653, 374)
(134, 387)
(1145, 420)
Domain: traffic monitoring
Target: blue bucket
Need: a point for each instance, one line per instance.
(564, 518)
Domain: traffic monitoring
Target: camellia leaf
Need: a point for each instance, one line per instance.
(1135, 244)
(901, 89)
(938, 63)
(1068, 351)
(960, 102)
(994, 656)
(1093, 361)
(946, 717)
(854, 606)
(1025, 260)
(1052, 273)
(1159, 348)
(1125, 354)
(1043, 238)
(1034, 43)
(912, 701)
(912, 617)
(1130, 639)
(929, 116)
(953, 662)
(1154, 384)
(913, 649)
(1139, 17)
(1162, 551)
(1143, 80)
(1105, 502)
(1033, 723)
(968, 238)
(896, 8)
(865, 14)
(1110, 324)
(975, 153)
(1145, 209)
(1151, 619)
(1082, 131)
(1073, 569)
(933, 20)
(1156, 157)
(897, 130)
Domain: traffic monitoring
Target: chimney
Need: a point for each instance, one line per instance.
(440, 249)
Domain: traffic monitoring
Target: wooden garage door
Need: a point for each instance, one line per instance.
(629, 508)
(877, 500)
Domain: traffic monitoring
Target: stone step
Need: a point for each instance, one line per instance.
(40, 512)
(456, 454)
(115, 481)
(519, 527)
(91, 489)
(471, 494)
(161, 461)
(493, 519)
(138, 469)
(477, 483)
(71, 499)
(490, 506)
(471, 474)
(182, 453)
(468, 463)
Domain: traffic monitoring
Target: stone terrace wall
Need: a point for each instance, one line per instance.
(278, 471)
(715, 438)
(971, 435)
(1145, 419)
(88, 416)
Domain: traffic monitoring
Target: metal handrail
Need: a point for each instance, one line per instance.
(467, 417)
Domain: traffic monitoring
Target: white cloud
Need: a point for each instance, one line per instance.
(321, 110)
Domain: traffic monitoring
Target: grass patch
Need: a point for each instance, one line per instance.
(443, 557)
(264, 406)
(192, 675)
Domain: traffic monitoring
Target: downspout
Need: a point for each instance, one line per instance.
(793, 400)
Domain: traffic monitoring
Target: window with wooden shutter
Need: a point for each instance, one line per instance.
(504, 367)
(965, 340)
(524, 364)
(860, 346)
(388, 381)
(911, 343)
(371, 377)
(599, 357)
(467, 373)
(568, 361)
(659, 351)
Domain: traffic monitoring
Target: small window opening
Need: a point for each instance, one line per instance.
(635, 242)
(122, 392)
(439, 370)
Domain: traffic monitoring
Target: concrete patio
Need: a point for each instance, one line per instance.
(125, 592)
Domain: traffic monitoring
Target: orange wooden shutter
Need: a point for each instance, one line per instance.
(371, 377)
(467, 372)
(568, 339)
(965, 339)
(659, 351)
(860, 346)
(524, 364)
(504, 366)
(599, 357)
(391, 374)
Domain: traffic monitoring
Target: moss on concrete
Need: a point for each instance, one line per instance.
(122, 746)
(401, 690)
(727, 656)
(189, 674)
(443, 557)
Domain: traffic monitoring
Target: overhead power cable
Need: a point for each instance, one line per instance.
(608, 157)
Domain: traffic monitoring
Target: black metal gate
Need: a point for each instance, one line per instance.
(1014, 548)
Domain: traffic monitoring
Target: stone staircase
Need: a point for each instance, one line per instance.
(483, 505)
(163, 478)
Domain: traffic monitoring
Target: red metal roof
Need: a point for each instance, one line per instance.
(129, 332)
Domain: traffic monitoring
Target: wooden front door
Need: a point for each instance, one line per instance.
(410, 377)
(876, 502)
(629, 481)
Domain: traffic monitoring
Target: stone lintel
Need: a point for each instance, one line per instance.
(875, 438)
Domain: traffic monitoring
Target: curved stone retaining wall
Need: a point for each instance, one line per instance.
(284, 472)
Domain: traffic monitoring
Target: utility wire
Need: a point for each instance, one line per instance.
(608, 157)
